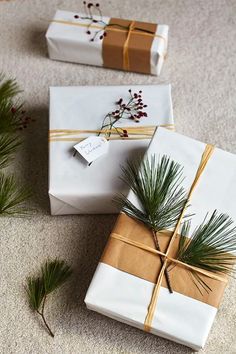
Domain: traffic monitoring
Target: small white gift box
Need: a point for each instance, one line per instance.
(126, 297)
(75, 187)
(144, 50)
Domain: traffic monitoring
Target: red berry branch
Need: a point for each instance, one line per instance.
(132, 110)
(21, 119)
(89, 9)
(93, 13)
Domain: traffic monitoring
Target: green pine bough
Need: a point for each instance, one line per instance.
(12, 120)
(53, 275)
(156, 183)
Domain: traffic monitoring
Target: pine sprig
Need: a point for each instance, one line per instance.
(12, 118)
(212, 246)
(53, 275)
(12, 197)
(157, 186)
(10, 108)
(8, 146)
(8, 89)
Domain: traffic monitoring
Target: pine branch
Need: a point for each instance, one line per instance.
(212, 246)
(35, 291)
(12, 197)
(53, 275)
(8, 88)
(8, 146)
(156, 184)
(10, 109)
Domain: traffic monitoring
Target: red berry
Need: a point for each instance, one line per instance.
(104, 34)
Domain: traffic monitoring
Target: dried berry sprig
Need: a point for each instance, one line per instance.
(132, 110)
(23, 120)
(101, 33)
(88, 9)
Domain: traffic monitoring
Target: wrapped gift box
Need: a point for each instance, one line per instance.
(116, 290)
(128, 45)
(75, 187)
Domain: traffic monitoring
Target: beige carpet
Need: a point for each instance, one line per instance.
(202, 69)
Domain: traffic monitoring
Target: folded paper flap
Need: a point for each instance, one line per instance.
(147, 265)
(115, 48)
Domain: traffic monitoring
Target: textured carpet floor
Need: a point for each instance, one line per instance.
(202, 69)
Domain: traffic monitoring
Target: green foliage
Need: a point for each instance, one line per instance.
(210, 247)
(12, 196)
(156, 184)
(36, 293)
(53, 275)
(8, 146)
(10, 108)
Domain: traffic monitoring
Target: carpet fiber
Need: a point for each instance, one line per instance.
(201, 66)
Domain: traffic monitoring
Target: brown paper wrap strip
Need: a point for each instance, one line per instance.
(132, 250)
(128, 50)
(147, 265)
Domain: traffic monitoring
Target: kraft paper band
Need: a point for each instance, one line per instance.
(129, 49)
(135, 133)
(144, 263)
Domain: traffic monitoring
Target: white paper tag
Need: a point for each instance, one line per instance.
(92, 148)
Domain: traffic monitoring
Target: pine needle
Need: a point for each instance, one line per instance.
(212, 246)
(53, 275)
(8, 146)
(12, 197)
(10, 108)
(35, 291)
(156, 184)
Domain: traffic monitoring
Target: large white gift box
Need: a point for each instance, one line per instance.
(126, 297)
(68, 40)
(74, 186)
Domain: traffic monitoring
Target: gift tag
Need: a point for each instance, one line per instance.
(92, 148)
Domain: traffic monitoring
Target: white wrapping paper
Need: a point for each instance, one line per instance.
(125, 297)
(71, 43)
(74, 187)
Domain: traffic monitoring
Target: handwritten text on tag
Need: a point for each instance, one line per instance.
(92, 148)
